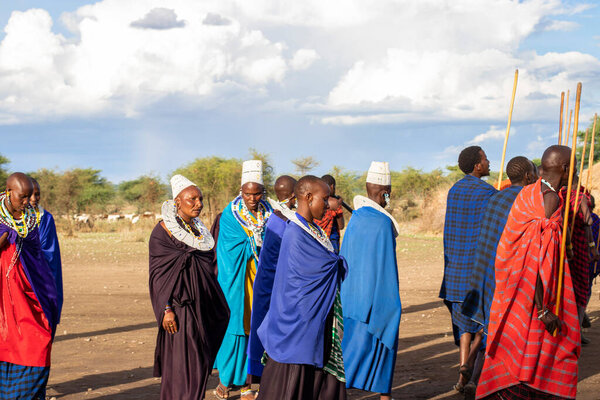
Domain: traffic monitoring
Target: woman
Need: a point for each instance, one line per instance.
(188, 302)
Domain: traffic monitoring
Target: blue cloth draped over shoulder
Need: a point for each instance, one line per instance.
(234, 249)
(478, 301)
(51, 249)
(305, 286)
(263, 285)
(370, 301)
(465, 208)
(370, 292)
(37, 271)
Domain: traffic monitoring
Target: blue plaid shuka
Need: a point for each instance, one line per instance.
(465, 207)
(22, 382)
(478, 300)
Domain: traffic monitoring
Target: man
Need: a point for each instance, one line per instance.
(465, 208)
(29, 310)
(241, 234)
(525, 359)
(267, 263)
(303, 328)
(188, 302)
(49, 240)
(477, 303)
(333, 220)
(594, 265)
(370, 293)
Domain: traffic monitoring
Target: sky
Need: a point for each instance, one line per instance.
(133, 87)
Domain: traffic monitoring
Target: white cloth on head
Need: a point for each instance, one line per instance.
(179, 183)
(379, 173)
(252, 171)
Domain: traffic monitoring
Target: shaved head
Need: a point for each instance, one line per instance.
(19, 188)
(556, 156)
(313, 195)
(307, 184)
(284, 187)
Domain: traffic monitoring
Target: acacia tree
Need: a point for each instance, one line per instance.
(305, 164)
(3, 171)
(145, 192)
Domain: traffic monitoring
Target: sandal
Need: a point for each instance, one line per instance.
(221, 392)
(248, 394)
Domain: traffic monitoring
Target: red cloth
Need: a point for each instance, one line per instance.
(505, 184)
(520, 350)
(580, 264)
(326, 223)
(25, 334)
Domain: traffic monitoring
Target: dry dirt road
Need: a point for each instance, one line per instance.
(105, 343)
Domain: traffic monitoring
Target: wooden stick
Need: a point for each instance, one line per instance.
(569, 128)
(560, 122)
(512, 105)
(576, 208)
(591, 160)
(566, 132)
(563, 243)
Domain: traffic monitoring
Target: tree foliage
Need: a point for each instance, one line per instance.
(305, 164)
(145, 192)
(580, 140)
(3, 171)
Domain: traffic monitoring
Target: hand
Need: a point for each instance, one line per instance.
(169, 322)
(551, 322)
(594, 254)
(334, 203)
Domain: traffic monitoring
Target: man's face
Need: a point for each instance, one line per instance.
(484, 164)
(252, 193)
(34, 200)
(189, 202)
(20, 195)
(320, 201)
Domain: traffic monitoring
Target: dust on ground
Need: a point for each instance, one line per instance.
(104, 347)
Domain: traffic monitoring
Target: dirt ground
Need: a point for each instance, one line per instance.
(105, 343)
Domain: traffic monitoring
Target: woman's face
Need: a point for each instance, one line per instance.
(189, 203)
(252, 193)
(319, 203)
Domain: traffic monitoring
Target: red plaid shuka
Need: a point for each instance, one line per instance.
(520, 350)
(580, 264)
(326, 223)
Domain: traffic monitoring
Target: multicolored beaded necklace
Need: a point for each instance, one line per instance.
(23, 225)
(189, 229)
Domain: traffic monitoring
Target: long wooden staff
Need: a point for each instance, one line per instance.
(576, 208)
(591, 160)
(569, 128)
(512, 105)
(560, 122)
(565, 131)
(563, 243)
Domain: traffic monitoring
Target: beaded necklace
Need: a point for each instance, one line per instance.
(254, 224)
(548, 184)
(189, 229)
(185, 233)
(22, 225)
(314, 230)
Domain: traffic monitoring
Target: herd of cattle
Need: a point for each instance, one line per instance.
(87, 219)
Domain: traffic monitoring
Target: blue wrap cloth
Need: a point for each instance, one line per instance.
(263, 286)
(465, 208)
(51, 250)
(370, 301)
(478, 301)
(305, 286)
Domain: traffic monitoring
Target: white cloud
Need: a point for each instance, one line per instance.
(388, 61)
(493, 133)
(303, 59)
(159, 18)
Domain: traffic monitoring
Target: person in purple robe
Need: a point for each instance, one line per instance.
(49, 241)
(188, 302)
(267, 263)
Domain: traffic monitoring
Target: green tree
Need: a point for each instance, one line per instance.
(268, 170)
(305, 165)
(347, 183)
(3, 172)
(580, 140)
(145, 192)
(218, 178)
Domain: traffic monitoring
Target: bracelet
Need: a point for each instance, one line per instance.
(592, 244)
(543, 313)
(167, 309)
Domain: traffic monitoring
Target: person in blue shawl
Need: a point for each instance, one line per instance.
(240, 237)
(49, 241)
(28, 298)
(476, 305)
(303, 328)
(370, 293)
(465, 207)
(267, 263)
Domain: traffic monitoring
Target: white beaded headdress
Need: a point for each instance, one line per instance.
(252, 171)
(379, 173)
(179, 183)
